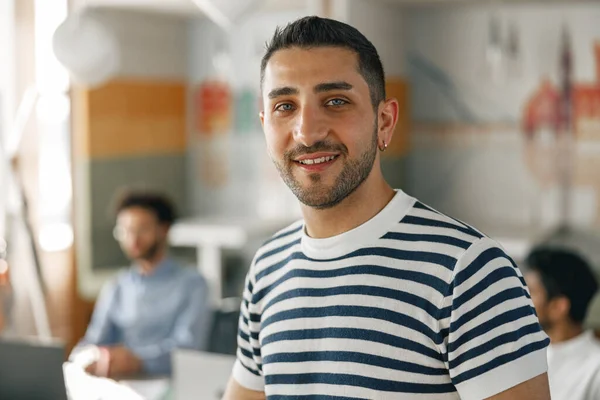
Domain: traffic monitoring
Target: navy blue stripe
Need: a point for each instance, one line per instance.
(358, 381)
(246, 353)
(415, 237)
(354, 333)
(358, 311)
(353, 357)
(509, 337)
(502, 319)
(243, 335)
(416, 256)
(277, 250)
(358, 334)
(252, 370)
(411, 219)
(425, 279)
(283, 234)
(479, 263)
(494, 301)
(495, 276)
(310, 397)
(244, 319)
(459, 222)
(364, 290)
(422, 206)
(501, 360)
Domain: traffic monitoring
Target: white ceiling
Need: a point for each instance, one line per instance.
(180, 7)
(188, 8)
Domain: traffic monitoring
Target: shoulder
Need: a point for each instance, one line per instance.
(422, 215)
(280, 243)
(470, 249)
(188, 274)
(120, 279)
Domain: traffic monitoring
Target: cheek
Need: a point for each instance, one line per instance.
(277, 141)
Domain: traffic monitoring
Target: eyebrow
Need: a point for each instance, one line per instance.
(320, 88)
(282, 91)
(329, 86)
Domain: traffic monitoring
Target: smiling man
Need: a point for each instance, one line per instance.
(373, 295)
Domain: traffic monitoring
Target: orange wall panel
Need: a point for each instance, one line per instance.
(133, 118)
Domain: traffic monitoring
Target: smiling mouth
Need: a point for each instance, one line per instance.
(314, 161)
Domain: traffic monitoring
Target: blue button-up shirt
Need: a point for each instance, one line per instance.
(153, 314)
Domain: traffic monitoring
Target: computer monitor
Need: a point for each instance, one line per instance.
(31, 370)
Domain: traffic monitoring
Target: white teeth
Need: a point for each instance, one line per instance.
(317, 160)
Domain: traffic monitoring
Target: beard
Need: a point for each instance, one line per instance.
(149, 254)
(318, 195)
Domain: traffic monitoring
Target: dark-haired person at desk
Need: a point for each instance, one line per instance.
(152, 308)
(562, 285)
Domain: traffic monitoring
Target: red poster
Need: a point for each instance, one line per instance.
(213, 108)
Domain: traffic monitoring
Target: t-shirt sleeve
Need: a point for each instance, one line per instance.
(493, 338)
(247, 370)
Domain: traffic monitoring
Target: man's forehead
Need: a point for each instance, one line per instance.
(298, 65)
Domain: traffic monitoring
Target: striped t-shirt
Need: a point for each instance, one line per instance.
(410, 305)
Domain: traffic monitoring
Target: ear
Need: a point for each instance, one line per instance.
(559, 308)
(163, 230)
(387, 119)
(261, 115)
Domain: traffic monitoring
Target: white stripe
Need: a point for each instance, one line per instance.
(433, 230)
(353, 345)
(345, 322)
(425, 246)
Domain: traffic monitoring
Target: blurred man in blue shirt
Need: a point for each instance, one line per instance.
(152, 308)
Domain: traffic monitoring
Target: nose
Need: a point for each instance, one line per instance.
(310, 127)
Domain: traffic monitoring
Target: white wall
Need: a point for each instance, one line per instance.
(382, 23)
(480, 174)
(454, 39)
(153, 46)
(253, 187)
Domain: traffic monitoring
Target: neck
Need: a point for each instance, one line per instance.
(563, 332)
(359, 207)
(147, 266)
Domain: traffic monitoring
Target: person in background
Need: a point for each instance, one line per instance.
(562, 285)
(153, 307)
(373, 295)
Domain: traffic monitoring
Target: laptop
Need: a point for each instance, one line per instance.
(200, 375)
(31, 370)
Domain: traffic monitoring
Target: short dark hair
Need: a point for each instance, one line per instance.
(310, 32)
(156, 202)
(563, 272)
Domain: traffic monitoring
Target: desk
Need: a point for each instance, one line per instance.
(82, 386)
(211, 235)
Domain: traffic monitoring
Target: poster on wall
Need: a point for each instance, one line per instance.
(213, 121)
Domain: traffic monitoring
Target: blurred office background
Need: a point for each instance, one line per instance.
(173, 106)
